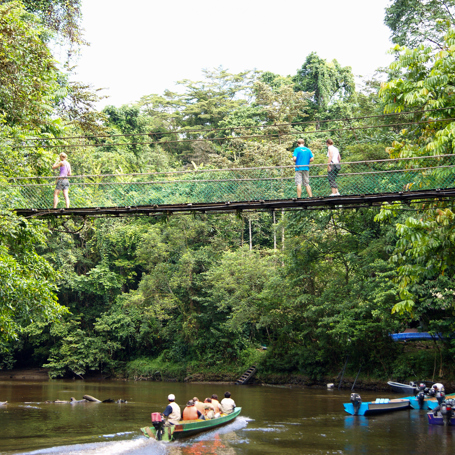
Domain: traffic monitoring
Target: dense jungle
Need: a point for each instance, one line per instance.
(203, 297)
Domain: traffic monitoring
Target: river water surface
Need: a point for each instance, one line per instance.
(274, 420)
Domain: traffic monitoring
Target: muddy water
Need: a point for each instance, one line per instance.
(273, 421)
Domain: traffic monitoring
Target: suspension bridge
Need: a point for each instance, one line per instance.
(361, 183)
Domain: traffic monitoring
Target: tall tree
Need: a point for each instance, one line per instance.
(63, 17)
(415, 22)
(424, 253)
(328, 81)
(28, 74)
(27, 281)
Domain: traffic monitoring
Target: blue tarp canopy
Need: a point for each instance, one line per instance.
(414, 336)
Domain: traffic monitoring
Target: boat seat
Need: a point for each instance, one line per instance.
(381, 400)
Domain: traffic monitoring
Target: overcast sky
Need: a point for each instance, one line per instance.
(141, 47)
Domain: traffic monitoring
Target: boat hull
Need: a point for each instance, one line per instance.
(403, 388)
(372, 407)
(438, 420)
(429, 402)
(191, 427)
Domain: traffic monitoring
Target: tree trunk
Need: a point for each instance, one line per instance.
(274, 230)
(251, 236)
(282, 235)
(243, 231)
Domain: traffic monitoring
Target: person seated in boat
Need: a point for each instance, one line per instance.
(172, 413)
(209, 409)
(191, 412)
(216, 403)
(199, 405)
(227, 404)
(437, 387)
(437, 391)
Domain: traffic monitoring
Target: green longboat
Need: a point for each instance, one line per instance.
(190, 427)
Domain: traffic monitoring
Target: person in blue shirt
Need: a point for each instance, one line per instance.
(302, 158)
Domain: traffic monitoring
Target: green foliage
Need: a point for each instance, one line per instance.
(158, 369)
(426, 81)
(63, 17)
(180, 296)
(328, 81)
(27, 68)
(27, 281)
(424, 251)
(415, 22)
(76, 352)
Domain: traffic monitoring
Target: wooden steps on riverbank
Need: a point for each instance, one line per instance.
(247, 375)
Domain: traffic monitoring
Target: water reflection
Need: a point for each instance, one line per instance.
(205, 447)
(273, 420)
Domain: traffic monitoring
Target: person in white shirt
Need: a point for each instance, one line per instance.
(227, 404)
(333, 166)
(172, 413)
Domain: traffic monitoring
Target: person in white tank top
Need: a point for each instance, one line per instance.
(333, 166)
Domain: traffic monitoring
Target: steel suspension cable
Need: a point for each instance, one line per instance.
(211, 130)
(254, 136)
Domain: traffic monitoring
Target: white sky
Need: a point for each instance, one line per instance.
(141, 47)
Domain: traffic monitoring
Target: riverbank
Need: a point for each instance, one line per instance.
(25, 374)
(227, 378)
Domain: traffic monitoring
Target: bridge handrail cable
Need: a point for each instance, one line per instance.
(193, 171)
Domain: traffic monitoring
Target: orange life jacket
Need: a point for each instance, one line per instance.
(190, 413)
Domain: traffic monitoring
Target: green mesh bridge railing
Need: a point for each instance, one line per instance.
(221, 185)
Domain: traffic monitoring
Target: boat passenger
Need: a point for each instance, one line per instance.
(209, 409)
(216, 403)
(172, 413)
(227, 404)
(191, 412)
(438, 387)
(199, 405)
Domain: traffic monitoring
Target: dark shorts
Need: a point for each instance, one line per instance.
(62, 184)
(332, 175)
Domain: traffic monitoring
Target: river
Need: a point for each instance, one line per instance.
(274, 420)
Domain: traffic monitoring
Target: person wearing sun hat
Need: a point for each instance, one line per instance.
(191, 412)
(172, 413)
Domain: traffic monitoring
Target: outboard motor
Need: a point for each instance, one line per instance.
(158, 423)
(447, 411)
(421, 394)
(356, 401)
(421, 399)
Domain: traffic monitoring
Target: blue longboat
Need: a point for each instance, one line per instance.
(379, 406)
(429, 403)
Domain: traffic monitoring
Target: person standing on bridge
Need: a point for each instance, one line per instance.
(62, 180)
(302, 158)
(333, 166)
